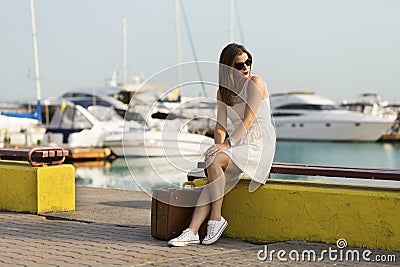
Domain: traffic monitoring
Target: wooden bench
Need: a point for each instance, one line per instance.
(37, 156)
(319, 170)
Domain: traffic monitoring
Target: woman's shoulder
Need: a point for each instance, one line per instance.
(257, 79)
(260, 84)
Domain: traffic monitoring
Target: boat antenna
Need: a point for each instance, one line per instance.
(193, 50)
(124, 52)
(178, 41)
(233, 5)
(239, 22)
(231, 21)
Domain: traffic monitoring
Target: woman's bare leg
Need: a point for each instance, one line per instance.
(217, 189)
(199, 215)
(213, 193)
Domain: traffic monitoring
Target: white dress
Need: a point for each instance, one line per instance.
(253, 154)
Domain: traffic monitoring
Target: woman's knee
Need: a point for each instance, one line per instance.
(216, 162)
(212, 166)
(216, 165)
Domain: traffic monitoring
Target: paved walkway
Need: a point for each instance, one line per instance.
(112, 227)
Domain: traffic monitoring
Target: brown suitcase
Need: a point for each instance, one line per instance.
(170, 214)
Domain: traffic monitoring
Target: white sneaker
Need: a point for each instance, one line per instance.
(214, 230)
(186, 238)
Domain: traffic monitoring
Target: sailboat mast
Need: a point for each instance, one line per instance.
(178, 40)
(231, 21)
(35, 51)
(124, 53)
(37, 113)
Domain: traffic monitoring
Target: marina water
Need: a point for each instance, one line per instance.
(149, 173)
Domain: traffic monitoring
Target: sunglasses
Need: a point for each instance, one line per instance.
(240, 65)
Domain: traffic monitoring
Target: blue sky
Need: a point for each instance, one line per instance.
(336, 48)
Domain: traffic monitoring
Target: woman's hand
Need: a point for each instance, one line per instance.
(215, 149)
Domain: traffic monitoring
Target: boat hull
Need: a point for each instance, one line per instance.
(159, 144)
(330, 131)
(306, 116)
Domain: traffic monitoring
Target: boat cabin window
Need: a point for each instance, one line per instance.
(309, 107)
(103, 113)
(69, 118)
(80, 121)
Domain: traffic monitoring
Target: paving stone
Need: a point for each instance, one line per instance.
(33, 240)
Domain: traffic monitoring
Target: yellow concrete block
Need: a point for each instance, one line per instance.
(24, 188)
(278, 211)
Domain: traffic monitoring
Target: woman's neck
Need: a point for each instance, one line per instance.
(241, 83)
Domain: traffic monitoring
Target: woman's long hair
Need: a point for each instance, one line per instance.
(226, 71)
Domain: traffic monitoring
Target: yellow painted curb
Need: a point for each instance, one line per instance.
(306, 211)
(24, 188)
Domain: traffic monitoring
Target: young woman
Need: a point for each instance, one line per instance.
(249, 148)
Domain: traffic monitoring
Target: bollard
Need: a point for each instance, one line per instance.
(25, 188)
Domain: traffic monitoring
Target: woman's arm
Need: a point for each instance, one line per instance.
(220, 128)
(219, 131)
(256, 92)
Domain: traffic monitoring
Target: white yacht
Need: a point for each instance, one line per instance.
(371, 103)
(306, 116)
(101, 126)
(21, 128)
(20, 131)
(142, 143)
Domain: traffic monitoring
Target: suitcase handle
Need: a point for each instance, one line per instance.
(188, 184)
(195, 184)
